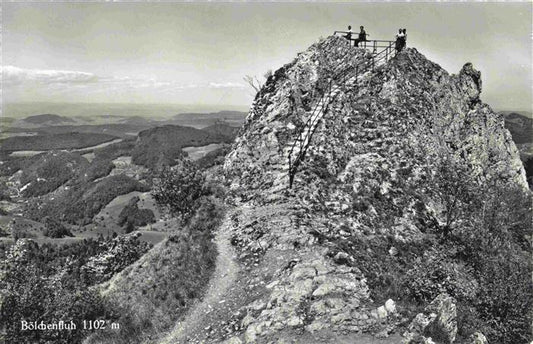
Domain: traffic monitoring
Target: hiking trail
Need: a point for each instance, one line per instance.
(226, 270)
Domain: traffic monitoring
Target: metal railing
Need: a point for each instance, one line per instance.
(307, 131)
(373, 44)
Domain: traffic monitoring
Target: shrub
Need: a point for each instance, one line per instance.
(453, 186)
(505, 299)
(178, 189)
(437, 273)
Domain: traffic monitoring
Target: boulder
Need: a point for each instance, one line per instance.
(478, 338)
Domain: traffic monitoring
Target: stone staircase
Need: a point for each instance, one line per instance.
(347, 78)
(295, 150)
(344, 78)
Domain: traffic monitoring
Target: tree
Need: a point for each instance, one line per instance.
(454, 188)
(178, 189)
(254, 81)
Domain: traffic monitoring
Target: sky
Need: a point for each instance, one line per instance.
(198, 53)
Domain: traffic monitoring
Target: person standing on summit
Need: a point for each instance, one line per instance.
(349, 34)
(362, 36)
(399, 40)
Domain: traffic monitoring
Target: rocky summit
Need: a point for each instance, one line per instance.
(367, 194)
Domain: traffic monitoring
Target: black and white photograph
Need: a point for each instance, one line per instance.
(271, 172)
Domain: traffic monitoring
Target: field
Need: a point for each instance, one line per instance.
(109, 215)
(196, 153)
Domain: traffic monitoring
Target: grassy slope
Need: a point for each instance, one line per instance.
(154, 292)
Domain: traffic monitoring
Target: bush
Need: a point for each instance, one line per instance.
(437, 273)
(505, 299)
(179, 188)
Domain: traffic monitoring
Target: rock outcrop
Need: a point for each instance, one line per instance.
(372, 156)
(437, 324)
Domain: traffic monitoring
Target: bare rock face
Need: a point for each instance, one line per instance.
(478, 338)
(373, 155)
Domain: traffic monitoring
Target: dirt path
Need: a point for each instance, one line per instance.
(225, 274)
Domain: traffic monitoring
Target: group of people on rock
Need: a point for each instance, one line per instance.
(401, 37)
(361, 37)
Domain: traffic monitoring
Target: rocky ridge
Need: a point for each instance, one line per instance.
(370, 162)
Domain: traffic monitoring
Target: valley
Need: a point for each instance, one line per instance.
(50, 162)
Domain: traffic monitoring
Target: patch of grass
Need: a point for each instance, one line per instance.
(213, 158)
(116, 150)
(132, 215)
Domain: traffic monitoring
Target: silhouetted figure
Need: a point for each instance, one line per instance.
(349, 34)
(362, 36)
(404, 38)
(399, 40)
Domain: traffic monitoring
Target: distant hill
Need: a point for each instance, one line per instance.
(72, 140)
(48, 119)
(162, 145)
(527, 114)
(520, 126)
(6, 120)
(222, 129)
(233, 118)
(137, 120)
(116, 129)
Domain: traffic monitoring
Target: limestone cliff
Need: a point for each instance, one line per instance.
(370, 164)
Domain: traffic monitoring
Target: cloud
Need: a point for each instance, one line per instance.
(56, 78)
(12, 75)
(20, 84)
(226, 85)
